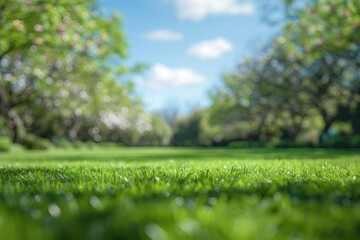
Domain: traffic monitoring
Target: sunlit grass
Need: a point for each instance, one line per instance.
(144, 193)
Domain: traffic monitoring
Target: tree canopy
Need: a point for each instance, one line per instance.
(306, 80)
(61, 65)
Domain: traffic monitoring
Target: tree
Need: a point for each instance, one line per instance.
(323, 26)
(278, 91)
(196, 130)
(330, 29)
(54, 73)
(309, 72)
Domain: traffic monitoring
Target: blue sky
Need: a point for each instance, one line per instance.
(188, 45)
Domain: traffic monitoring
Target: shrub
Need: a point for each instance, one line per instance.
(292, 144)
(110, 145)
(247, 144)
(63, 143)
(5, 144)
(80, 145)
(355, 141)
(66, 144)
(32, 142)
(343, 141)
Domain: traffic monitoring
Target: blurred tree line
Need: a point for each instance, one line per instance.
(62, 77)
(302, 90)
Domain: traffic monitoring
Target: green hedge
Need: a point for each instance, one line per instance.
(5, 144)
(292, 144)
(67, 144)
(247, 144)
(32, 142)
(334, 142)
(343, 142)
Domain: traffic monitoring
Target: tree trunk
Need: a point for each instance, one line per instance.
(74, 131)
(325, 131)
(355, 120)
(14, 123)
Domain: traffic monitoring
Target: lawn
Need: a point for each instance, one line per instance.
(167, 193)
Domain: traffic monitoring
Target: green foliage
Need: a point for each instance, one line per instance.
(355, 141)
(196, 130)
(309, 73)
(5, 144)
(323, 26)
(63, 144)
(158, 135)
(180, 194)
(290, 144)
(4, 131)
(32, 142)
(247, 144)
(56, 80)
(343, 141)
(187, 132)
(108, 145)
(66, 144)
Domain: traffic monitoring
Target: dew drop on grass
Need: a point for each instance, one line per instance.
(54, 210)
(69, 196)
(36, 214)
(24, 200)
(73, 206)
(212, 201)
(277, 196)
(95, 202)
(179, 201)
(189, 226)
(207, 209)
(295, 200)
(37, 198)
(155, 232)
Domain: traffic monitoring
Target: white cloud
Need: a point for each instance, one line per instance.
(198, 9)
(163, 76)
(210, 49)
(164, 35)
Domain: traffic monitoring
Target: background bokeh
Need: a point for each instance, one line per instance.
(64, 81)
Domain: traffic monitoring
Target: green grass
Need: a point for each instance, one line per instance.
(157, 193)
